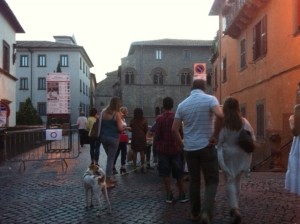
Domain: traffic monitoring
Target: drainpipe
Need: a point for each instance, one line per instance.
(220, 55)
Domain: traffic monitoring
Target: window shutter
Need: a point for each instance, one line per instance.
(264, 35)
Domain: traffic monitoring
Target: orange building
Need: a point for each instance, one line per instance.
(257, 60)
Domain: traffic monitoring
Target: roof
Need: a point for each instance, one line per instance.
(171, 42)
(50, 45)
(10, 17)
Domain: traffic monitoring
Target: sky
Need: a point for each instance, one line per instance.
(106, 28)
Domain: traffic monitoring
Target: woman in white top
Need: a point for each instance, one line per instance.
(233, 160)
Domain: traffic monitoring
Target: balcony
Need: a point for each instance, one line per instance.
(239, 14)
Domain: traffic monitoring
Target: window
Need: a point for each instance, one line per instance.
(80, 63)
(260, 120)
(41, 60)
(64, 61)
(24, 61)
(186, 78)
(186, 55)
(80, 85)
(83, 88)
(129, 77)
(23, 83)
(243, 110)
(158, 78)
(6, 53)
(224, 67)
(158, 55)
(41, 83)
(83, 67)
(41, 108)
(243, 53)
(260, 38)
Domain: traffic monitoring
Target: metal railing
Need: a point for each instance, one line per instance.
(40, 144)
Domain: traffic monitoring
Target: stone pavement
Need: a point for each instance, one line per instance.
(47, 192)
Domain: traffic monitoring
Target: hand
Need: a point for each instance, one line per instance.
(213, 141)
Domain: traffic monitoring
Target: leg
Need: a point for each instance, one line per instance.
(106, 196)
(210, 169)
(92, 145)
(193, 163)
(142, 154)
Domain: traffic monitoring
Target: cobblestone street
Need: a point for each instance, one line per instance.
(48, 192)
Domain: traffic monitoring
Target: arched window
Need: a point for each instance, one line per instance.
(158, 78)
(186, 78)
(129, 77)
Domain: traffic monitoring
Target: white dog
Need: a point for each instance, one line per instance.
(94, 181)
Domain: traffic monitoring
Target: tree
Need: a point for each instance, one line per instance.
(58, 68)
(28, 115)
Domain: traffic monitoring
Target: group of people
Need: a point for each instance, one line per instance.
(201, 134)
(112, 136)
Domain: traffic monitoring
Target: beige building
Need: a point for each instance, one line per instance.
(9, 27)
(256, 59)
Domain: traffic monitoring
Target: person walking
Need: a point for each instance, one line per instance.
(169, 153)
(233, 160)
(111, 128)
(201, 116)
(81, 123)
(292, 176)
(94, 142)
(122, 144)
(139, 129)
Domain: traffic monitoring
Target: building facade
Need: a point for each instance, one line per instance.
(256, 59)
(9, 27)
(155, 69)
(36, 59)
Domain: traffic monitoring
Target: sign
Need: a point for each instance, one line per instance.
(4, 114)
(58, 93)
(199, 71)
(53, 134)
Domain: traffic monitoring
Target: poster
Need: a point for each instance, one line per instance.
(58, 93)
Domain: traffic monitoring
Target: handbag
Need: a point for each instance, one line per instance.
(245, 140)
(123, 137)
(96, 128)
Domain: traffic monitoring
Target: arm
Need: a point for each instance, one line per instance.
(119, 122)
(218, 123)
(176, 131)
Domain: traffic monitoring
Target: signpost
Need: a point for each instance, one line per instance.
(200, 71)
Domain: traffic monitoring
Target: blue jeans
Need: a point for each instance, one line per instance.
(110, 146)
(204, 160)
(123, 149)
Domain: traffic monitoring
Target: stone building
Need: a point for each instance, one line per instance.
(153, 70)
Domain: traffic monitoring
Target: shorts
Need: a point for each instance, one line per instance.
(170, 164)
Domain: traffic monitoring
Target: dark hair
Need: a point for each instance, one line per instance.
(199, 84)
(168, 103)
(138, 113)
(232, 114)
(93, 111)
